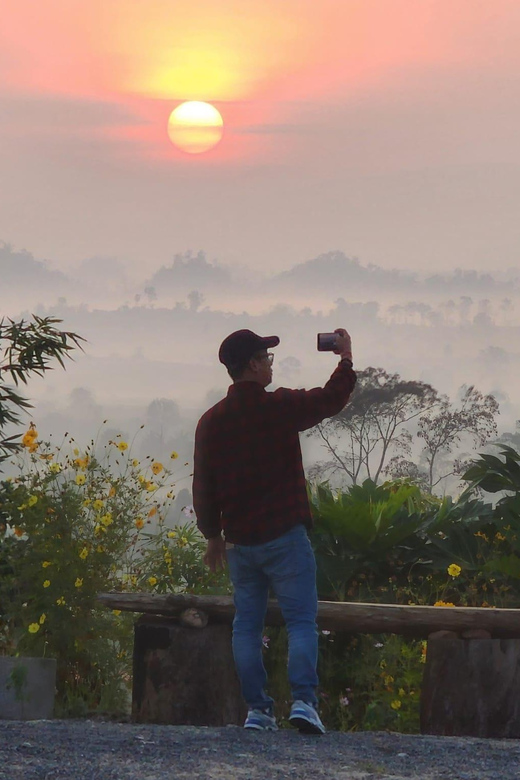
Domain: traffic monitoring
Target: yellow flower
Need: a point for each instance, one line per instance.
(139, 523)
(87, 502)
(151, 487)
(152, 581)
(388, 679)
(98, 504)
(79, 582)
(75, 451)
(42, 619)
(157, 467)
(152, 512)
(396, 704)
(99, 529)
(32, 500)
(182, 541)
(444, 604)
(34, 628)
(171, 534)
(454, 570)
(100, 548)
(81, 463)
(45, 564)
(60, 601)
(401, 692)
(112, 491)
(135, 463)
(116, 611)
(46, 583)
(81, 479)
(83, 554)
(167, 557)
(106, 520)
(141, 478)
(500, 537)
(174, 455)
(122, 446)
(55, 468)
(29, 437)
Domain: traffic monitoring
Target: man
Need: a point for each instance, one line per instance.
(250, 498)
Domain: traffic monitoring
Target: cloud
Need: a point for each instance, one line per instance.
(35, 114)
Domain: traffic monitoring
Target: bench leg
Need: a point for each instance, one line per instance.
(471, 687)
(184, 675)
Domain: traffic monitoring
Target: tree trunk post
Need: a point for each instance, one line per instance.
(184, 676)
(471, 687)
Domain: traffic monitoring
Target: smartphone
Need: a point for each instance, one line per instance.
(327, 342)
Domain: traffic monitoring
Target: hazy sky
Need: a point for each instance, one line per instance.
(384, 128)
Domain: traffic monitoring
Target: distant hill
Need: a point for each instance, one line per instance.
(20, 271)
(336, 273)
(190, 272)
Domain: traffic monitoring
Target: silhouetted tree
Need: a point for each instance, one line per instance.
(359, 439)
(443, 431)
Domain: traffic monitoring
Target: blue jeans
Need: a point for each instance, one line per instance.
(287, 565)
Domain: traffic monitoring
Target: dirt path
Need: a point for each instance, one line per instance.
(93, 750)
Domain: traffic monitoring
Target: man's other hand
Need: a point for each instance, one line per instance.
(215, 555)
(343, 343)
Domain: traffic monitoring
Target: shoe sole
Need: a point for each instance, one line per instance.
(305, 726)
(261, 728)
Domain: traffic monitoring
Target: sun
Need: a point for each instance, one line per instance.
(195, 127)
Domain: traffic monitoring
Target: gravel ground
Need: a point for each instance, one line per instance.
(94, 750)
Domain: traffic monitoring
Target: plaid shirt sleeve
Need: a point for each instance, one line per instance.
(306, 408)
(205, 502)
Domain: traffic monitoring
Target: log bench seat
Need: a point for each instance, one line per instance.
(471, 682)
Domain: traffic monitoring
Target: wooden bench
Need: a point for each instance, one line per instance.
(471, 682)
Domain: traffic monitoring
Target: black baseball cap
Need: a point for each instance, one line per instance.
(238, 348)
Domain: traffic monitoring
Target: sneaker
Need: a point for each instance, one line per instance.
(305, 718)
(261, 721)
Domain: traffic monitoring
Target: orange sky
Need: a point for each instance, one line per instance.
(310, 91)
(268, 52)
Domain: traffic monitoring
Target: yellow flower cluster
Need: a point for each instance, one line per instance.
(444, 604)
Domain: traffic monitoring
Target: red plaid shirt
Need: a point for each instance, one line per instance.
(248, 477)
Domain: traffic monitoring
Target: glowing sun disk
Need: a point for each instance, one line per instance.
(195, 127)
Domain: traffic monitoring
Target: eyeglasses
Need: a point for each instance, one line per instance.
(269, 357)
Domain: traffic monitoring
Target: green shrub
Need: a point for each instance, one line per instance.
(74, 524)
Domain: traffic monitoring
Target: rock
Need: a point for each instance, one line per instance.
(193, 618)
(443, 635)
